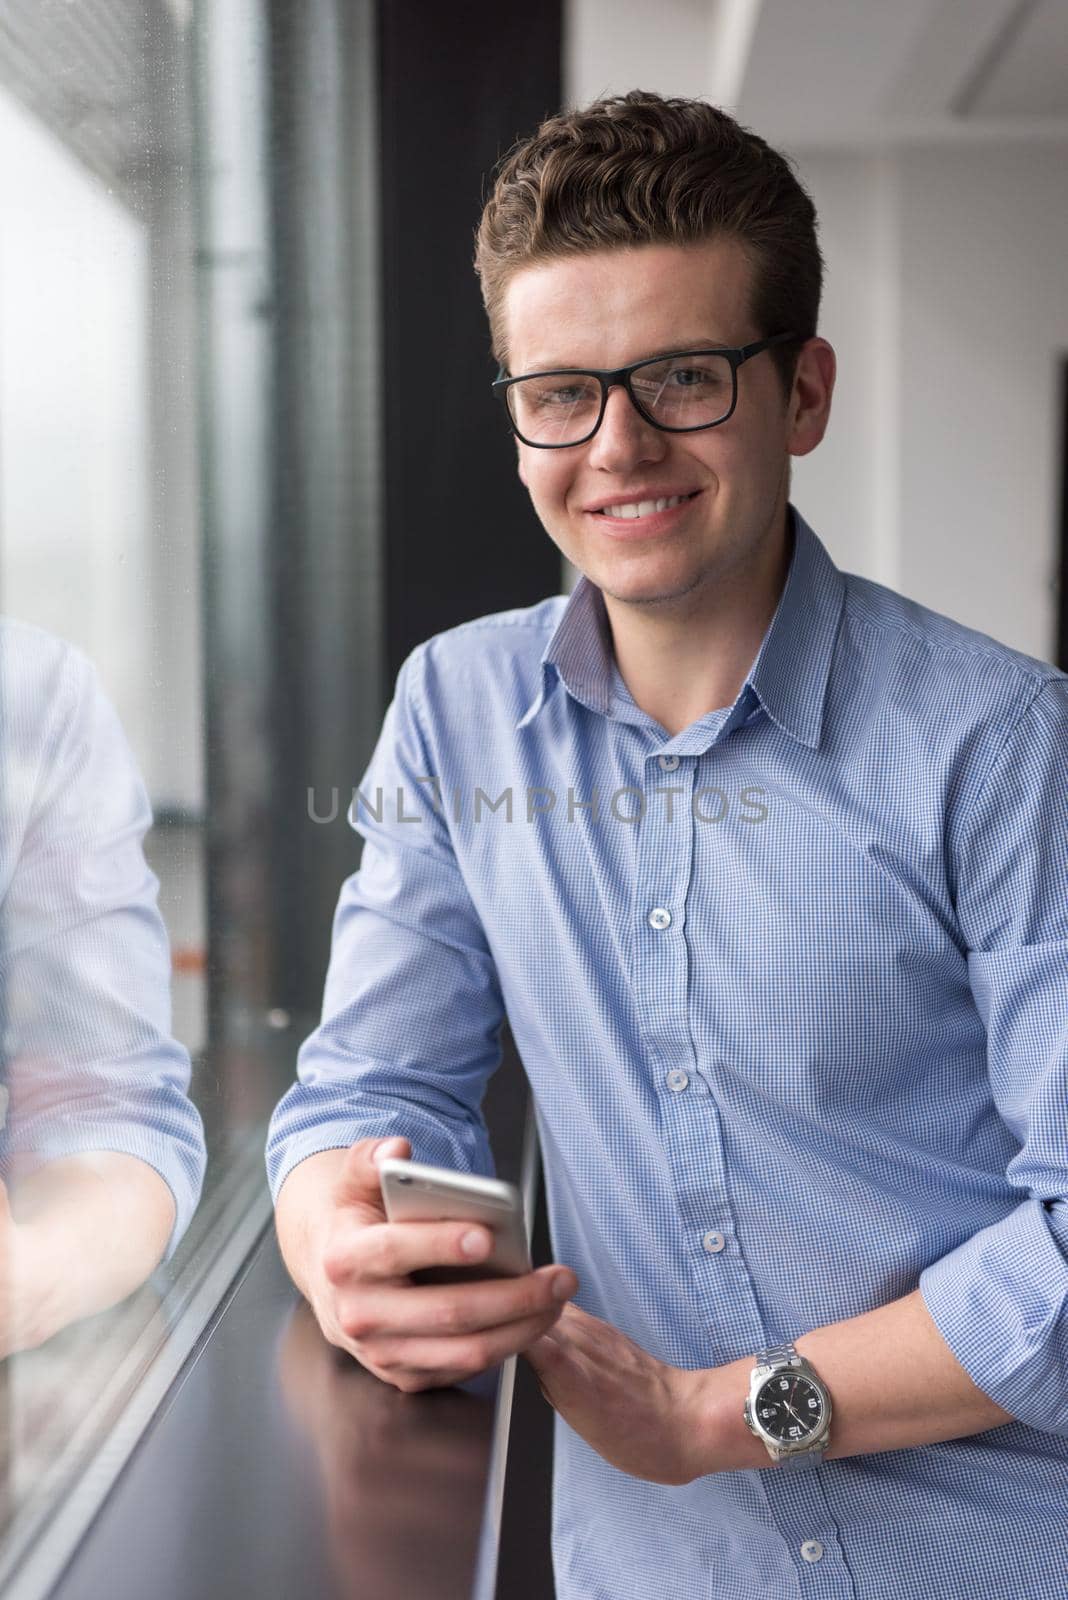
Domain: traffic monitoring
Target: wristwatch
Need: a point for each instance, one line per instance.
(788, 1407)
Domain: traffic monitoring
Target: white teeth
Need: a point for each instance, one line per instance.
(643, 508)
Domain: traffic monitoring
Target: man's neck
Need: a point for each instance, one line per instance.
(682, 661)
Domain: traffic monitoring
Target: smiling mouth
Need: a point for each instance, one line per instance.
(631, 510)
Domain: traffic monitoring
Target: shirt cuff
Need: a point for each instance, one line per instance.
(430, 1144)
(1000, 1301)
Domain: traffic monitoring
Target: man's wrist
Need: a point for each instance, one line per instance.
(722, 1442)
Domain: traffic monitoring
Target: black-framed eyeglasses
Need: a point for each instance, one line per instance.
(680, 392)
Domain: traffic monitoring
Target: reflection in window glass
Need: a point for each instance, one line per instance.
(127, 1101)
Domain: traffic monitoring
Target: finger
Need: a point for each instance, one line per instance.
(426, 1358)
(358, 1181)
(546, 1396)
(405, 1310)
(553, 1346)
(395, 1249)
(545, 1358)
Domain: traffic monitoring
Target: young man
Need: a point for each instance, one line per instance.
(776, 911)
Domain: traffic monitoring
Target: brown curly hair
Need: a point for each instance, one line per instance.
(643, 169)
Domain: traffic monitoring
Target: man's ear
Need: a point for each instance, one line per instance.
(810, 402)
(519, 468)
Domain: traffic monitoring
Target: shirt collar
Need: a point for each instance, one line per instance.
(788, 676)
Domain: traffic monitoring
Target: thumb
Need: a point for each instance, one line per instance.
(358, 1181)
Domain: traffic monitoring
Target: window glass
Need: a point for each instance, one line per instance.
(143, 1043)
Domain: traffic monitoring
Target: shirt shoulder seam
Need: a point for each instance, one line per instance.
(998, 654)
(1000, 748)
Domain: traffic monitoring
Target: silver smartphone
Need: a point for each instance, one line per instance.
(414, 1192)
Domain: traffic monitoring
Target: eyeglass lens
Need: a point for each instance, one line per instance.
(680, 392)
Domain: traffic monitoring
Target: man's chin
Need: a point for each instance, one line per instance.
(647, 593)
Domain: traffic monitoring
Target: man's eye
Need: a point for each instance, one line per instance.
(695, 377)
(563, 395)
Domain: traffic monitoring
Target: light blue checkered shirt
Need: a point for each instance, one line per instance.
(88, 1059)
(791, 989)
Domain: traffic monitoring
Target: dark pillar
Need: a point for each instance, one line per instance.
(328, 678)
(458, 86)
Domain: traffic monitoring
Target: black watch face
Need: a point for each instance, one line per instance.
(789, 1407)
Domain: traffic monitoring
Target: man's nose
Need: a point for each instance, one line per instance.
(624, 434)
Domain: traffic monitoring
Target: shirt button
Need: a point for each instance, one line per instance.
(668, 763)
(677, 1080)
(713, 1243)
(659, 918)
(812, 1550)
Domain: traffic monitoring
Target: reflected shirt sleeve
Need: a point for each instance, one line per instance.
(412, 1008)
(1000, 1299)
(89, 1060)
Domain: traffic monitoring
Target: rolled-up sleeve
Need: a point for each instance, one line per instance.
(1000, 1299)
(89, 1060)
(412, 1010)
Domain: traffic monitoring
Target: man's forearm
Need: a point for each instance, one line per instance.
(893, 1380)
(89, 1229)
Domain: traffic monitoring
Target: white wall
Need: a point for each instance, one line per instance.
(947, 302)
(848, 486)
(985, 304)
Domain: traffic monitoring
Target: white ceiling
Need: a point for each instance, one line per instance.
(1029, 75)
(818, 73)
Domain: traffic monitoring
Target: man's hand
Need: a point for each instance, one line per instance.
(354, 1267)
(635, 1411)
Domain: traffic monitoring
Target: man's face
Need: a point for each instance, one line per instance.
(612, 307)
